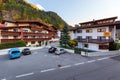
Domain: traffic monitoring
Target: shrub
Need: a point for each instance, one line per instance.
(114, 46)
(72, 43)
(19, 43)
(77, 51)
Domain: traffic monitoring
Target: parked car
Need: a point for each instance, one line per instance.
(59, 51)
(52, 49)
(14, 53)
(26, 51)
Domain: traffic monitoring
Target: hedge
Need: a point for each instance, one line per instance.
(19, 43)
(77, 51)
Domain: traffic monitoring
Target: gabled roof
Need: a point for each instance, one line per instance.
(26, 21)
(2, 25)
(99, 20)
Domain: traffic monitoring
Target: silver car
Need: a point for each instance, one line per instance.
(59, 51)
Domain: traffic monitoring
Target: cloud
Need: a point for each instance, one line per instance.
(40, 7)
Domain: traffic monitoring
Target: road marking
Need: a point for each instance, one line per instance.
(114, 56)
(103, 58)
(28, 74)
(91, 61)
(4, 79)
(45, 55)
(48, 70)
(65, 66)
(79, 63)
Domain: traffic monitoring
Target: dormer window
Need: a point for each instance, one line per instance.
(89, 31)
(101, 30)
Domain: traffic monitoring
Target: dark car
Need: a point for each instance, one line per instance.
(26, 51)
(52, 49)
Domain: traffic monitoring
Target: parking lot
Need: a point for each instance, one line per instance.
(39, 60)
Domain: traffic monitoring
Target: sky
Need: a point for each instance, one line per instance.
(77, 11)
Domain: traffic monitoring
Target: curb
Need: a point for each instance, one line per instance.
(5, 51)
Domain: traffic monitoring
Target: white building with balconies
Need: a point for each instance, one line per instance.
(95, 35)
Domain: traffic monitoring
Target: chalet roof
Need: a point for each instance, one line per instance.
(95, 26)
(2, 25)
(72, 28)
(26, 21)
(99, 20)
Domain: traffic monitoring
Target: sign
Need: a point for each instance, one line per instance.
(107, 34)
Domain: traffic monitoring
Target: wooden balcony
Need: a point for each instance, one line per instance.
(35, 34)
(27, 40)
(36, 39)
(36, 28)
(10, 33)
(9, 40)
(31, 34)
(97, 41)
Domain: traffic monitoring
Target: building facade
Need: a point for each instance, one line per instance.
(95, 35)
(32, 32)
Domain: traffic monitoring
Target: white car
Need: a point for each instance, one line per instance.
(59, 51)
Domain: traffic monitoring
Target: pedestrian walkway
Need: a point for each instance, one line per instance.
(5, 51)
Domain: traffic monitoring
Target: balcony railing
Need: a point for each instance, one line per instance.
(97, 41)
(10, 33)
(27, 39)
(35, 34)
(36, 39)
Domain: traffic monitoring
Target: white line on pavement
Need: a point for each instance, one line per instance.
(91, 61)
(24, 75)
(4, 79)
(65, 66)
(48, 70)
(114, 56)
(103, 58)
(45, 55)
(79, 63)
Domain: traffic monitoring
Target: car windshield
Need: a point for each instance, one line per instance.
(15, 52)
(26, 49)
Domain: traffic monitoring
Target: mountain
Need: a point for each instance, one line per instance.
(22, 10)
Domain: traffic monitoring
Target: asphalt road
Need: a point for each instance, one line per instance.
(41, 65)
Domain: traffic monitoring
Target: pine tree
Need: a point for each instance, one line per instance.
(64, 37)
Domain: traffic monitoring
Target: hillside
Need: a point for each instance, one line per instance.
(22, 10)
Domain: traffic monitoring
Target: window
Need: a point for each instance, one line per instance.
(5, 29)
(25, 30)
(5, 36)
(15, 37)
(32, 36)
(79, 38)
(15, 30)
(89, 30)
(79, 31)
(101, 37)
(88, 37)
(33, 31)
(40, 36)
(33, 42)
(86, 45)
(25, 36)
(102, 46)
(101, 30)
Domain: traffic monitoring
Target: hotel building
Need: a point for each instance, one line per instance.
(32, 32)
(95, 35)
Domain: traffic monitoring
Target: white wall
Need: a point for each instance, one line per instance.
(91, 46)
(59, 33)
(94, 33)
